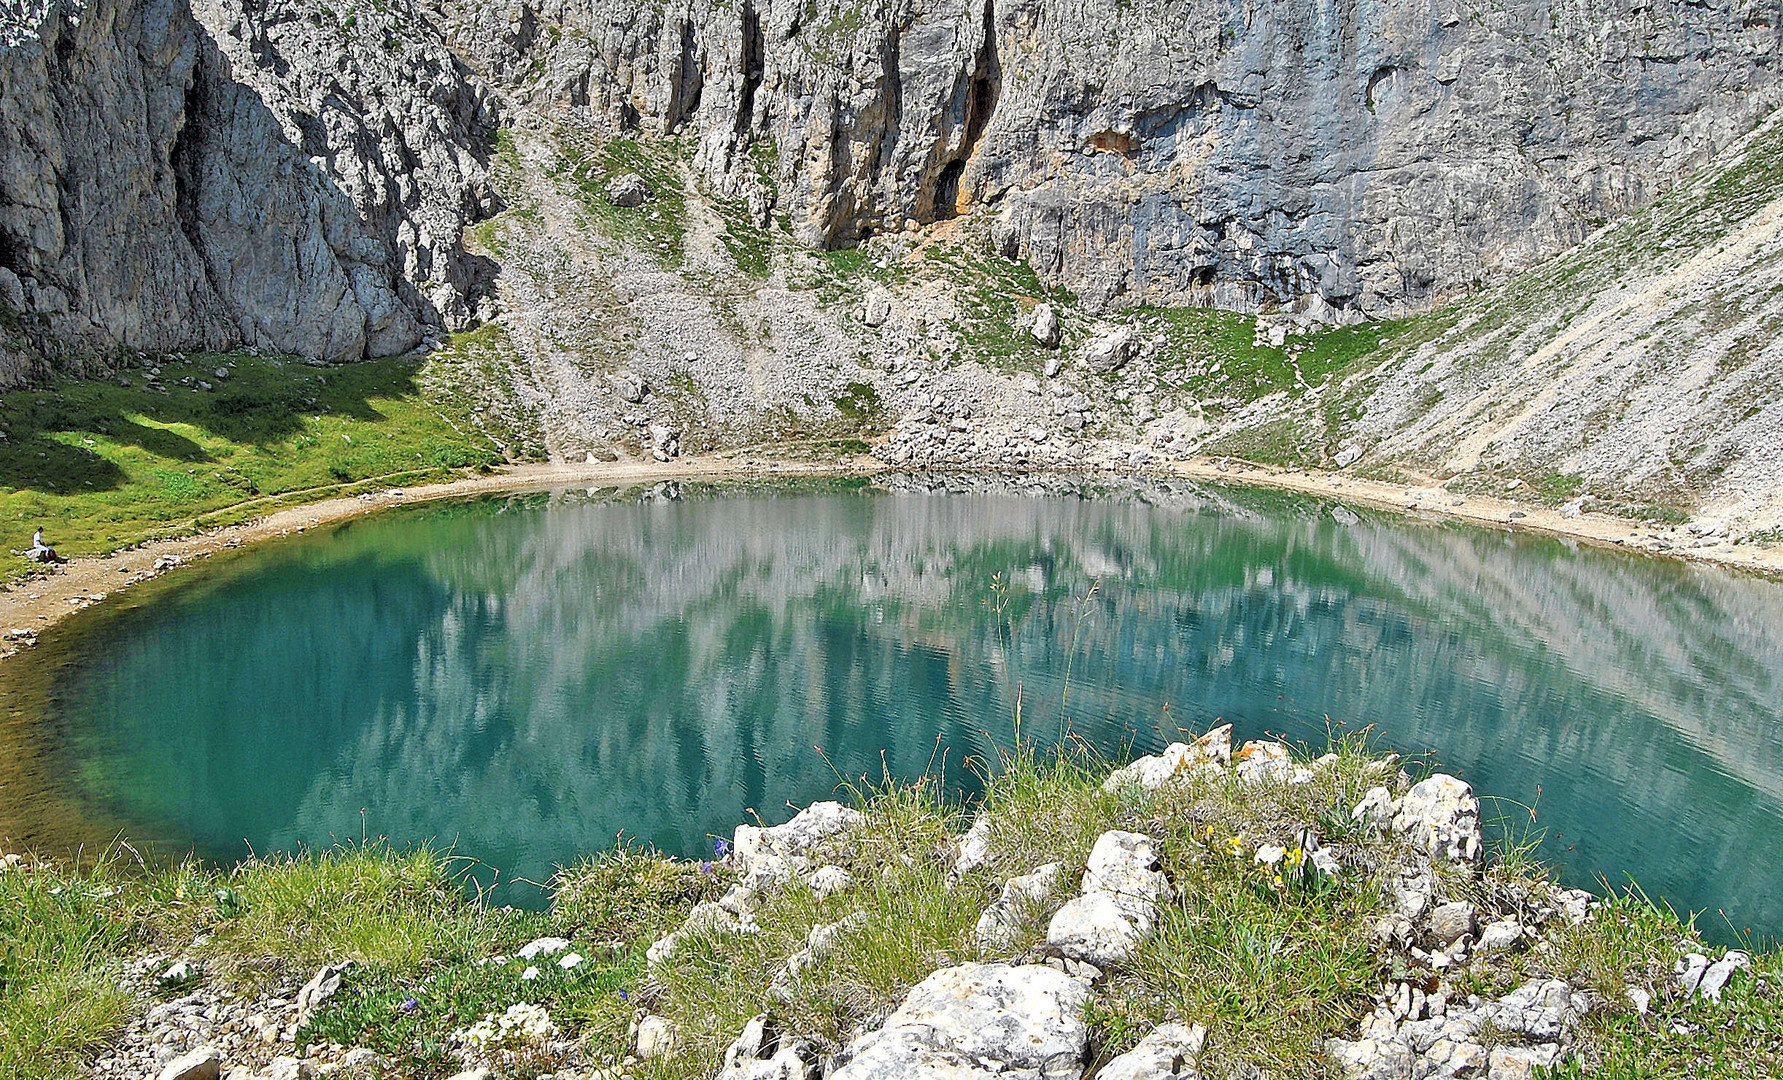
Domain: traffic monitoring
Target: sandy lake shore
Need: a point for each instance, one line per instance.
(30, 606)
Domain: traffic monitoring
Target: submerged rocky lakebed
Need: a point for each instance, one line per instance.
(526, 677)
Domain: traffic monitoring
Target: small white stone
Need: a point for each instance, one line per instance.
(545, 946)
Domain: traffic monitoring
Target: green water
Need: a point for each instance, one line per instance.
(527, 677)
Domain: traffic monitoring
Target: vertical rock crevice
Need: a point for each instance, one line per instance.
(753, 67)
(689, 81)
(186, 161)
(982, 92)
(891, 101)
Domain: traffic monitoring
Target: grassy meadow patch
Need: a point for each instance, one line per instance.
(166, 445)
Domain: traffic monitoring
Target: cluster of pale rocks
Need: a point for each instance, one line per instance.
(1024, 1018)
(206, 1034)
(1061, 422)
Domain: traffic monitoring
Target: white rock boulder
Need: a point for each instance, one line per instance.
(1168, 1053)
(204, 1063)
(1375, 812)
(656, 1037)
(1097, 929)
(1262, 762)
(1442, 817)
(977, 1019)
(627, 190)
(974, 848)
(1122, 887)
(322, 986)
(771, 853)
(1211, 751)
(1021, 899)
(1125, 865)
(877, 310)
(1109, 353)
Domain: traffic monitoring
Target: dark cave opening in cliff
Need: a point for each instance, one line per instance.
(11, 252)
(947, 190)
(754, 65)
(982, 92)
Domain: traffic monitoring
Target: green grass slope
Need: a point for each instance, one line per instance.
(101, 464)
(1643, 368)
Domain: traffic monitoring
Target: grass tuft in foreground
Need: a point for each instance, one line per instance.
(62, 944)
(1272, 959)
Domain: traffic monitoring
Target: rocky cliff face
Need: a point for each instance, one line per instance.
(1348, 160)
(233, 174)
(187, 174)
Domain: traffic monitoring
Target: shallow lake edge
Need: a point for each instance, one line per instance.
(37, 603)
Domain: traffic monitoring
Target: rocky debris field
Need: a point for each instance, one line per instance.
(1082, 925)
(621, 320)
(636, 234)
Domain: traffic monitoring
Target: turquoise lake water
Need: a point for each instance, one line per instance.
(527, 677)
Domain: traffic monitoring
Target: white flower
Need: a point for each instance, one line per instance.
(523, 1026)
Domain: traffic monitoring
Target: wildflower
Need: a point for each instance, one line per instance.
(1236, 845)
(623, 996)
(409, 1005)
(522, 1026)
(721, 847)
(705, 868)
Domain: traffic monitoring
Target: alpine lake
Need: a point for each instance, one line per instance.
(530, 678)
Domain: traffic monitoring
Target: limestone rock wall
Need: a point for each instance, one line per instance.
(233, 174)
(1345, 158)
(181, 174)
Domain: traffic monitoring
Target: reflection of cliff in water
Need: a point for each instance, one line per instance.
(540, 677)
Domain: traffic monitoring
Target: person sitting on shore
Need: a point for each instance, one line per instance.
(41, 552)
